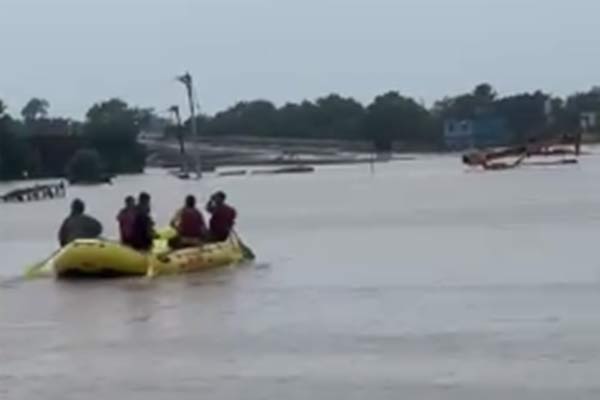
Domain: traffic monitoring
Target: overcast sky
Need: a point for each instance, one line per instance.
(75, 52)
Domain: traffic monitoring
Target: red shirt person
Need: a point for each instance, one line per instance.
(126, 219)
(190, 225)
(222, 217)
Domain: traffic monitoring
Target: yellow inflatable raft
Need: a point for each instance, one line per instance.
(102, 258)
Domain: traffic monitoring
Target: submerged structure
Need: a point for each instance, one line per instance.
(562, 150)
(35, 193)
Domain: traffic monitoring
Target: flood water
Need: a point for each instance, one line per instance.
(420, 281)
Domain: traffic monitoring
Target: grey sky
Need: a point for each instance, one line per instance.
(75, 52)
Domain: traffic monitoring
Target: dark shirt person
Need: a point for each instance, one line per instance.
(126, 219)
(190, 225)
(143, 226)
(78, 225)
(222, 217)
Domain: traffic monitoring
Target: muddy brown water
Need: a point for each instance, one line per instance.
(420, 281)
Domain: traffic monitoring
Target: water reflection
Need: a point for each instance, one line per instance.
(420, 279)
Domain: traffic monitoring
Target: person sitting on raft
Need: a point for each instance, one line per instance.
(142, 237)
(78, 225)
(222, 217)
(190, 226)
(126, 219)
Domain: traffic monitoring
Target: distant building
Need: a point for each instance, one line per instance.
(477, 132)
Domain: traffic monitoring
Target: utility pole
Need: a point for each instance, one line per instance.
(187, 81)
(175, 111)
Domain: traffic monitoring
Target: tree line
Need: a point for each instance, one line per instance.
(105, 143)
(392, 118)
(42, 146)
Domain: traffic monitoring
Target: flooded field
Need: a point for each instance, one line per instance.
(419, 281)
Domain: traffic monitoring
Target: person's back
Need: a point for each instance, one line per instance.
(126, 219)
(222, 219)
(143, 227)
(190, 225)
(78, 225)
(221, 222)
(191, 222)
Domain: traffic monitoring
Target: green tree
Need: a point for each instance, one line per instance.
(392, 117)
(467, 106)
(525, 114)
(35, 108)
(337, 117)
(13, 150)
(86, 166)
(298, 120)
(112, 128)
(569, 118)
(484, 93)
(329, 117)
(253, 118)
